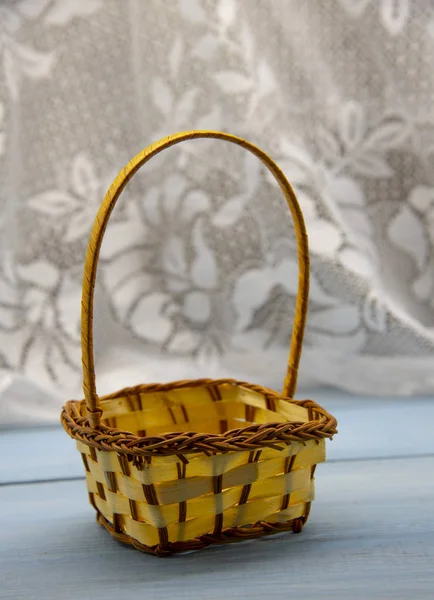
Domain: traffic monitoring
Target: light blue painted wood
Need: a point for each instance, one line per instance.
(368, 428)
(371, 535)
(39, 453)
(379, 427)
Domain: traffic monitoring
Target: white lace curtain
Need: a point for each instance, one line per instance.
(198, 270)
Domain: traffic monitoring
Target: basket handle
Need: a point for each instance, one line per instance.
(93, 406)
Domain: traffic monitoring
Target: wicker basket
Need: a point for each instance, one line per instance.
(157, 484)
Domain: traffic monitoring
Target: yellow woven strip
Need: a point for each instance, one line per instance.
(158, 401)
(252, 472)
(269, 468)
(195, 488)
(164, 469)
(201, 510)
(201, 513)
(242, 395)
(211, 426)
(204, 505)
(191, 529)
(241, 475)
(260, 475)
(266, 509)
(312, 455)
(175, 419)
(262, 415)
(108, 461)
(281, 484)
(193, 395)
(199, 507)
(240, 515)
(183, 489)
(97, 472)
(217, 465)
(144, 533)
(91, 483)
(224, 411)
(157, 471)
(292, 512)
(104, 508)
(203, 523)
(82, 448)
(254, 510)
(189, 397)
(155, 407)
(290, 450)
(118, 503)
(161, 516)
(163, 417)
(129, 487)
(156, 515)
(199, 465)
(292, 412)
(304, 495)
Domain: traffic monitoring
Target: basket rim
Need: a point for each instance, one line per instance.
(266, 435)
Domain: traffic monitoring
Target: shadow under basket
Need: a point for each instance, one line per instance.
(158, 484)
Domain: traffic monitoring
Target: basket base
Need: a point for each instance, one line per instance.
(228, 536)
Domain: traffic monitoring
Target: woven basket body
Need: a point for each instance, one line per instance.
(178, 466)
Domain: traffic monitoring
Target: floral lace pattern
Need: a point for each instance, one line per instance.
(198, 267)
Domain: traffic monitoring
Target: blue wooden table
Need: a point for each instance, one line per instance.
(370, 534)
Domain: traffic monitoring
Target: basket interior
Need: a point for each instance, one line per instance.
(206, 409)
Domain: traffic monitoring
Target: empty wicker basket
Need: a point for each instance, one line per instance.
(178, 466)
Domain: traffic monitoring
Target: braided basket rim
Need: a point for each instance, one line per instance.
(252, 437)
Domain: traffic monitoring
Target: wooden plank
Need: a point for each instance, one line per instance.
(371, 427)
(38, 454)
(368, 428)
(371, 535)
